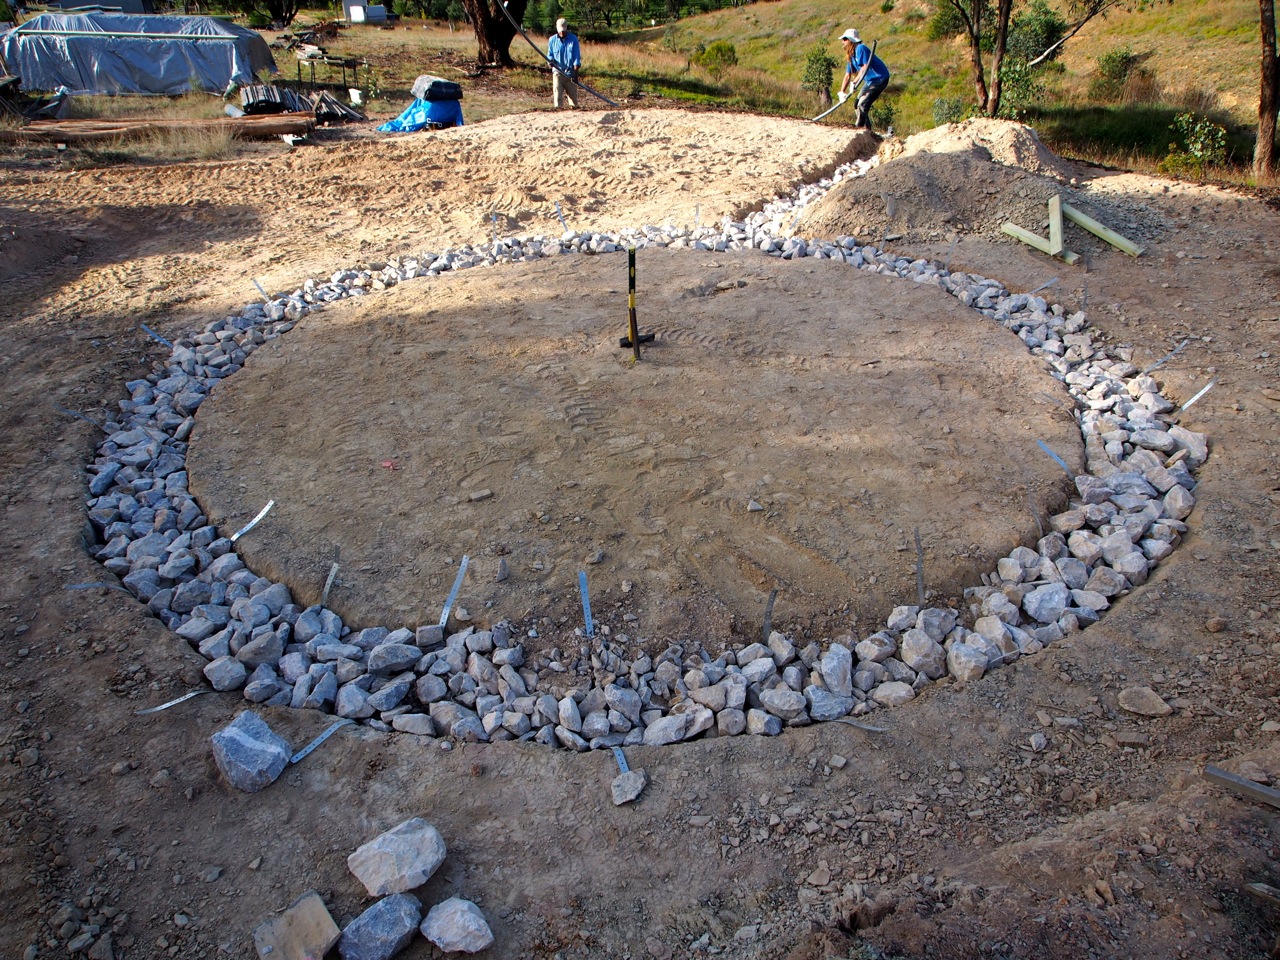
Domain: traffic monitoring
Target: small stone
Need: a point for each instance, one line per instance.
(1143, 701)
(628, 786)
(1215, 624)
(401, 859)
(477, 495)
(753, 507)
(304, 929)
(820, 877)
(457, 925)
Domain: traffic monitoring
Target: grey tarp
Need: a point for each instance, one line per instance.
(110, 53)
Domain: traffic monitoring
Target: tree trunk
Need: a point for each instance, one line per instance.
(1264, 152)
(494, 32)
(971, 14)
(1004, 12)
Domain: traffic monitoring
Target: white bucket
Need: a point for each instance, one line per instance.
(357, 97)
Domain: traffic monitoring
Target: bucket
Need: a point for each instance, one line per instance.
(357, 97)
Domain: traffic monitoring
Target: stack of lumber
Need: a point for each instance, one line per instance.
(79, 131)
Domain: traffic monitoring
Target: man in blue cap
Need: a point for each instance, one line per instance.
(865, 69)
(564, 52)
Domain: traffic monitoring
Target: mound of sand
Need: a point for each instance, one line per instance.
(966, 178)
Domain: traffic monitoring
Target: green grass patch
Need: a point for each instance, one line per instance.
(1125, 135)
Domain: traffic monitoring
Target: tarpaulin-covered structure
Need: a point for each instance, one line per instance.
(113, 53)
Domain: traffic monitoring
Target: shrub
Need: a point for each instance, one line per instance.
(1034, 31)
(1114, 69)
(716, 57)
(951, 110)
(886, 6)
(819, 70)
(883, 114)
(1202, 143)
(945, 23)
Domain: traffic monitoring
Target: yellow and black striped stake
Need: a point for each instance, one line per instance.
(634, 337)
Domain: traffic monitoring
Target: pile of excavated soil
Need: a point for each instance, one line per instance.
(967, 179)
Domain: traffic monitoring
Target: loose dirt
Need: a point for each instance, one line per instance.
(947, 835)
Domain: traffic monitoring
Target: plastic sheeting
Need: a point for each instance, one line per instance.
(103, 53)
(421, 113)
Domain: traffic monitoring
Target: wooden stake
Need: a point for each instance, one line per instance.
(1055, 225)
(1241, 786)
(1098, 230)
(1039, 242)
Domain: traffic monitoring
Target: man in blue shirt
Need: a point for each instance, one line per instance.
(865, 69)
(566, 56)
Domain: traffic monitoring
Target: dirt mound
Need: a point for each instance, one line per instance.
(967, 178)
(1000, 141)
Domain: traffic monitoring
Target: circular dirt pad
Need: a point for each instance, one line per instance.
(790, 427)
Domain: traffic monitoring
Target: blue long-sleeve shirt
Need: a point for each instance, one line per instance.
(876, 73)
(565, 53)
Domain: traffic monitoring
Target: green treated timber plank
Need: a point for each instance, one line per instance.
(1098, 230)
(1055, 225)
(1040, 243)
(1241, 786)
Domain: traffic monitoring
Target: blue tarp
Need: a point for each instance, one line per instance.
(423, 112)
(103, 53)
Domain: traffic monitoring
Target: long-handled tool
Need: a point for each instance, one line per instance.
(840, 103)
(550, 62)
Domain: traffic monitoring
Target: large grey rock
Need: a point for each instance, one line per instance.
(624, 700)
(825, 705)
(1143, 701)
(836, 668)
(877, 648)
(669, 729)
(763, 724)
(249, 753)
(1196, 445)
(922, 653)
(894, 693)
(457, 926)
(966, 662)
(383, 930)
(730, 722)
(568, 714)
(389, 658)
(784, 703)
(226, 673)
(401, 859)
(1046, 604)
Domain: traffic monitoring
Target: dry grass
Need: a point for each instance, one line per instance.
(195, 106)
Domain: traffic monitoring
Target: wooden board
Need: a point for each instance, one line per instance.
(1037, 241)
(81, 131)
(1055, 226)
(1098, 230)
(1239, 785)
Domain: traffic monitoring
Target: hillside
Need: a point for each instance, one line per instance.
(1207, 44)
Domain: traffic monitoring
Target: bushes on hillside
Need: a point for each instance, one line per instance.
(717, 57)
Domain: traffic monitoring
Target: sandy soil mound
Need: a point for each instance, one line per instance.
(1000, 141)
(968, 179)
(789, 428)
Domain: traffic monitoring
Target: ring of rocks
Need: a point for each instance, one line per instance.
(474, 684)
